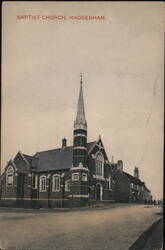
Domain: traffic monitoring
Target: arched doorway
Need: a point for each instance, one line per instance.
(99, 192)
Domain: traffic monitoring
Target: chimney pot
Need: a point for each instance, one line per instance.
(64, 142)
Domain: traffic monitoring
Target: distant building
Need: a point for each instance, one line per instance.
(129, 188)
(77, 175)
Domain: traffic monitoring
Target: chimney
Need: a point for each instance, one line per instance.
(136, 172)
(120, 165)
(64, 142)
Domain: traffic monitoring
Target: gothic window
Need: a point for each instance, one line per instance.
(99, 165)
(42, 183)
(75, 177)
(84, 177)
(56, 183)
(67, 186)
(9, 176)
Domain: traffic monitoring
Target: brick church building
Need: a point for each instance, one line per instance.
(68, 176)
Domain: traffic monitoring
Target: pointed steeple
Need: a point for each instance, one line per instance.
(80, 122)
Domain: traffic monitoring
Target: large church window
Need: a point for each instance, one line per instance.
(99, 165)
(56, 183)
(42, 183)
(9, 176)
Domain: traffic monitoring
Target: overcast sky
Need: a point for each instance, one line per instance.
(122, 61)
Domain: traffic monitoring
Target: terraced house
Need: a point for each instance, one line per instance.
(76, 175)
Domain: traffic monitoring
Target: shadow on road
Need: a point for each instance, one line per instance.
(151, 239)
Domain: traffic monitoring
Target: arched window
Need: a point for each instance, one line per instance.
(99, 164)
(9, 176)
(67, 186)
(43, 183)
(110, 182)
(56, 183)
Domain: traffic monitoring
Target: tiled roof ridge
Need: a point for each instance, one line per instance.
(44, 151)
(59, 148)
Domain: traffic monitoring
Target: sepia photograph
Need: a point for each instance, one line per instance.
(82, 117)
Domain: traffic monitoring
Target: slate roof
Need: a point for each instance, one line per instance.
(55, 159)
(134, 179)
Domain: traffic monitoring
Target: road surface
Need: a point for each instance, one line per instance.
(114, 227)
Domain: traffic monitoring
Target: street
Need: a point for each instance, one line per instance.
(115, 227)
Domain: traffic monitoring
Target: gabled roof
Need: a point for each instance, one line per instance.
(28, 158)
(55, 159)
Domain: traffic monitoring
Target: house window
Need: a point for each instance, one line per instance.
(34, 181)
(9, 176)
(56, 183)
(99, 165)
(75, 177)
(67, 186)
(110, 182)
(84, 177)
(42, 183)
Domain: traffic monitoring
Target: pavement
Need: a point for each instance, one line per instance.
(151, 239)
(114, 227)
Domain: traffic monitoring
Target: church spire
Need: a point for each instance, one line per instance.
(80, 122)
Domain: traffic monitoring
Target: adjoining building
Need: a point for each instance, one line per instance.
(76, 175)
(129, 188)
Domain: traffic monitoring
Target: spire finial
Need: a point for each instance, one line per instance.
(81, 75)
(80, 118)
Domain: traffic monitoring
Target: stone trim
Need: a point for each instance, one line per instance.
(99, 146)
(79, 147)
(99, 177)
(79, 195)
(92, 147)
(24, 158)
(14, 165)
(79, 168)
(80, 135)
(30, 199)
(79, 185)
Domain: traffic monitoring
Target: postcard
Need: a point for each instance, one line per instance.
(82, 125)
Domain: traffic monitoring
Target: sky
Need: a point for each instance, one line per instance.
(121, 58)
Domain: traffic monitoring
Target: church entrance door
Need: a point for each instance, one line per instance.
(99, 192)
